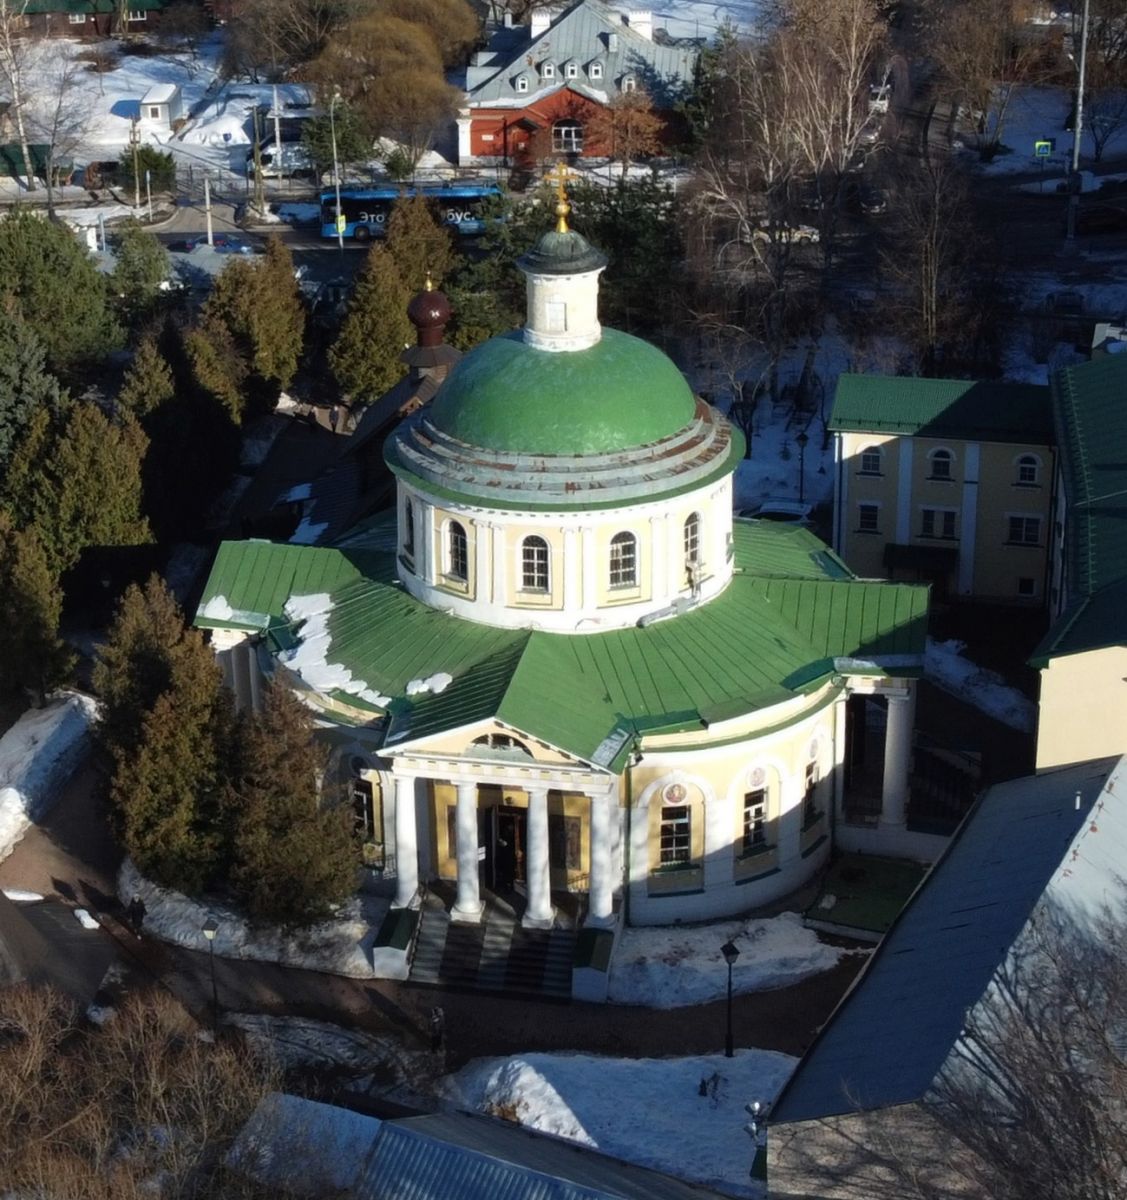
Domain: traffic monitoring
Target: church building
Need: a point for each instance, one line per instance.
(558, 672)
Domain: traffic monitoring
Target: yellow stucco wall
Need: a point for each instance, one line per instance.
(1083, 708)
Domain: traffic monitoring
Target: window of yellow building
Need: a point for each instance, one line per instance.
(623, 560)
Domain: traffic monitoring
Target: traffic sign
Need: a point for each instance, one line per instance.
(1043, 147)
(342, 223)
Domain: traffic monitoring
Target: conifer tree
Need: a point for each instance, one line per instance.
(56, 288)
(218, 365)
(279, 316)
(419, 244)
(32, 657)
(26, 385)
(294, 858)
(134, 663)
(365, 357)
(168, 791)
(148, 382)
(140, 268)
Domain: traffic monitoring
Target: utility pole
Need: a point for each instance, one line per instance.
(277, 129)
(336, 171)
(207, 208)
(1077, 133)
(149, 192)
(259, 196)
(135, 146)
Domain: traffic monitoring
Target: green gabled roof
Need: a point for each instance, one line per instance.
(790, 610)
(959, 408)
(1090, 407)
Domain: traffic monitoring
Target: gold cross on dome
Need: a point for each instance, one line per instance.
(559, 175)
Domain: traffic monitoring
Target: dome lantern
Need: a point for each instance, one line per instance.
(562, 271)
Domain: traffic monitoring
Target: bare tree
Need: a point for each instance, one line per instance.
(627, 128)
(62, 115)
(14, 52)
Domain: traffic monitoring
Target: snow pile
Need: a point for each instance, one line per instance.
(310, 658)
(674, 966)
(433, 683)
(986, 690)
(340, 946)
(19, 896)
(83, 917)
(37, 755)
(646, 1111)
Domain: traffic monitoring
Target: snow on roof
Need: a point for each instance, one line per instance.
(161, 93)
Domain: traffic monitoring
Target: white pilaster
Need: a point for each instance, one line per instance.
(483, 548)
(499, 592)
(406, 844)
(600, 897)
(839, 752)
(571, 570)
(468, 906)
(465, 147)
(904, 493)
(539, 913)
(658, 549)
(590, 570)
(968, 520)
(897, 758)
(424, 515)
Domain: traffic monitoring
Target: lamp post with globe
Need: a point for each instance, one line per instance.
(731, 953)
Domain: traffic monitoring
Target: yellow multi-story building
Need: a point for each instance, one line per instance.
(951, 481)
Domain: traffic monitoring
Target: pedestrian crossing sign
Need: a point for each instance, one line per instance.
(1043, 147)
(342, 222)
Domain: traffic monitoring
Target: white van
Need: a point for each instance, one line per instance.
(293, 159)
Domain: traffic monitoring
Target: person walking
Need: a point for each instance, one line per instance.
(334, 417)
(135, 912)
(437, 1029)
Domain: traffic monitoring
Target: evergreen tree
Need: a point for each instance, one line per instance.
(20, 491)
(25, 384)
(278, 328)
(294, 858)
(141, 267)
(89, 490)
(31, 655)
(56, 288)
(148, 383)
(419, 243)
(365, 357)
(134, 663)
(346, 131)
(168, 793)
(218, 364)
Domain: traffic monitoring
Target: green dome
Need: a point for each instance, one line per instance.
(618, 394)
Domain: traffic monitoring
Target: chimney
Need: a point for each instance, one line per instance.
(542, 19)
(641, 20)
(612, 43)
(507, 19)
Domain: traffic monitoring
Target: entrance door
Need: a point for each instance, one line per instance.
(507, 867)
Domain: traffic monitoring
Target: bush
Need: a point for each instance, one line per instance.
(161, 168)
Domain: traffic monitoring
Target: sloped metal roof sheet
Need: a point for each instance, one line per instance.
(1024, 840)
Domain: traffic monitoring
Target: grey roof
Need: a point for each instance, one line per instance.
(310, 1149)
(893, 1031)
(582, 35)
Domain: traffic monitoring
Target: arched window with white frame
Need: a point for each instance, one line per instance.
(457, 552)
(547, 70)
(571, 70)
(941, 464)
(629, 83)
(534, 565)
(872, 460)
(522, 83)
(408, 529)
(623, 560)
(1028, 470)
(596, 70)
(691, 539)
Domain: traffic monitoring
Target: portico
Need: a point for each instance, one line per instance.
(522, 829)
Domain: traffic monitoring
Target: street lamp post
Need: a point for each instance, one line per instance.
(1077, 134)
(336, 169)
(731, 953)
(802, 439)
(210, 929)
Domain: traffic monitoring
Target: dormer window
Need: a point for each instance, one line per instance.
(595, 70)
(547, 70)
(522, 83)
(571, 70)
(629, 83)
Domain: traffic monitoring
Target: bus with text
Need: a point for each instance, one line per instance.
(366, 211)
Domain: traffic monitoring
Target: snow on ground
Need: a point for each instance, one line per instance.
(986, 690)
(703, 18)
(20, 896)
(673, 966)
(340, 946)
(647, 1111)
(37, 755)
(95, 215)
(1036, 113)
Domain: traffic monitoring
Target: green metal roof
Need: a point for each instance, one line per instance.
(1088, 402)
(962, 408)
(620, 393)
(790, 610)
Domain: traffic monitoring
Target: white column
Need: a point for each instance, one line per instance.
(539, 913)
(658, 535)
(897, 758)
(839, 753)
(600, 904)
(468, 906)
(500, 595)
(406, 844)
(572, 570)
(590, 572)
(424, 562)
(483, 546)
(465, 146)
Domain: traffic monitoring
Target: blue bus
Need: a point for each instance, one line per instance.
(366, 210)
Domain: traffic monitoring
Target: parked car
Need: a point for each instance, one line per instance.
(221, 243)
(871, 199)
(788, 233)
(879, 96)
(785, 512)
